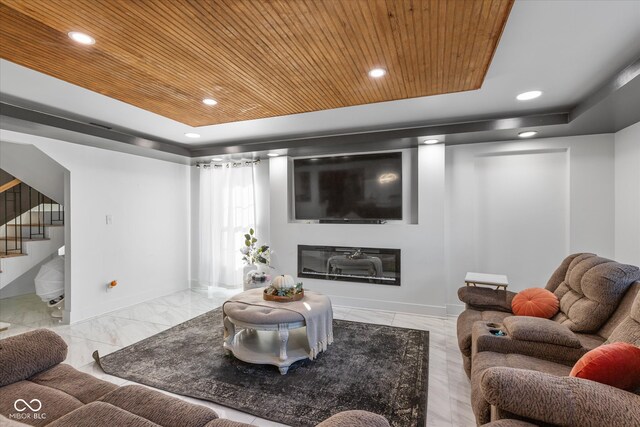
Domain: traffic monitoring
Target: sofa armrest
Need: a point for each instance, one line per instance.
(559, 400)
(528, 336)
(29, 353)
(535, 329)
(486, 298)
(355, 419)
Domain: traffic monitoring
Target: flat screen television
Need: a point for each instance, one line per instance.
(359, 187)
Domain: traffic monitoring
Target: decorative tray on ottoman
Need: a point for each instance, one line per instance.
(278, 298)
(283, 289)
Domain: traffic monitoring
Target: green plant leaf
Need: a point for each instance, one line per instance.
(253, 240)
(247, 243)
(247, 237)
(251, 231)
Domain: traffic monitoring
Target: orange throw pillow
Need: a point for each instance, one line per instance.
(617, 365)
(536, 302)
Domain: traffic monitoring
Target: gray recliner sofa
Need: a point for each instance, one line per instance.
(524, 374)
(32, 373)
(590, 289)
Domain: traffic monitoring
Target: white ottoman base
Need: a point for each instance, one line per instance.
(280, 344)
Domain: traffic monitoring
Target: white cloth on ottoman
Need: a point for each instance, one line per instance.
(314, 308)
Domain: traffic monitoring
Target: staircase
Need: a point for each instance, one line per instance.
(31, 228)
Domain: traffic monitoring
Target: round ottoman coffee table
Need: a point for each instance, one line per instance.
(268, 332)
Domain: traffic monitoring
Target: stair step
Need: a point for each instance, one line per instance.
(24, 239)
(10, 255)
(35, 225)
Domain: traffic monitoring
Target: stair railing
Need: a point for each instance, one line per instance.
(36, 205)
(41, 203)
(13, 200)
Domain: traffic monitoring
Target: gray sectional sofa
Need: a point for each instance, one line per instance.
(32, 373)
(524, 374)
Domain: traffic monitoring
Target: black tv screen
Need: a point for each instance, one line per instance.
(361, 187)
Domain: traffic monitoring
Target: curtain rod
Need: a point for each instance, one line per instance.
(239, 164)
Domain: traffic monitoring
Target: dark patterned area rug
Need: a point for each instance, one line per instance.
(381, 369)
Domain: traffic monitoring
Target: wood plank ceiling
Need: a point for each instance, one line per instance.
(257, 58)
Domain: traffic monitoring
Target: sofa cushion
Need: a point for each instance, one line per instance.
(590, 341)
(591, 291)
(29, 353)
(617, 365)
(509, 423)
(535, 302)
(6, 422)
(158, 407)
(560, 273)
(629, 329)
(488, 359)
(100, 414)
(222, 422)
(622, 311)
(559, 400)
(540, 330)
(54, 403)
(84, 387)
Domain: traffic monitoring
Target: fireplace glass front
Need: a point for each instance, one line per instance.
(367, 265)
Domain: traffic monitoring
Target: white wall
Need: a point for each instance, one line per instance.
(34, 168)
(37, 251)
(24, 284)
(516, 207)
(423, 288)
(519, 207)
(261, 180)
(194, 245)
(146, 248)
(627, 195)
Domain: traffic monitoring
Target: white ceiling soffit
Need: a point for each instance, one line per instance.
(565, 48)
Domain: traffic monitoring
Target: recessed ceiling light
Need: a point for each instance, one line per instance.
(273, 154)
(81, 38)
(431, 141)
(216, 159)
(526, 96)
(527, 134)
(210, 101)
(192, 135)
(376, 73)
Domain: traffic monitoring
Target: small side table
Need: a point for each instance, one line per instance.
(482, 279)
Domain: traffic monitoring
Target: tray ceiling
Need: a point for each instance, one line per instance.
(257, 58)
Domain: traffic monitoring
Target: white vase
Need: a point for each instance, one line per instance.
(248, 283)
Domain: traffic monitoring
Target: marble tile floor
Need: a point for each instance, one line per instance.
(449, 388)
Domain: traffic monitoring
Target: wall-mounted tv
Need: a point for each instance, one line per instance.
(352, 187)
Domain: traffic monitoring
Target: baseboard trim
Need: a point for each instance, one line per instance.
(87, 313)
(393, 306)
(455, 309)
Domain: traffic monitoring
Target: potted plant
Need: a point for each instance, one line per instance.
(256, 255)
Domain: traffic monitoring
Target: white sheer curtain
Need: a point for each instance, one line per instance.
(227, 211)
